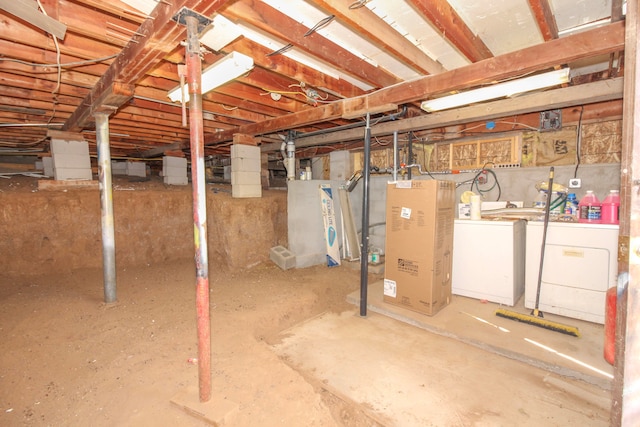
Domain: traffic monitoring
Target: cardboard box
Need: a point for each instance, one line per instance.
(419, 244)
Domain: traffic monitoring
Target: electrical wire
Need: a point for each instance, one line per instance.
(382, 144)
(496, 183)
(321, 24)
(280, 51)
(55, 42)
(578, 143)
(62, 64)
(358, 4)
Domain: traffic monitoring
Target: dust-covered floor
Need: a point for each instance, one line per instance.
(70, 360)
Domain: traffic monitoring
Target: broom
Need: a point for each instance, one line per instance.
(536, 317)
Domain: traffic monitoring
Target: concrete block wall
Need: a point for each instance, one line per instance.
(174, 170)
(136, 169)
(118, 168)
(70, 159)
(516, 184)
(246, 180)
(306, 229)
(47, 164)
(340, 165)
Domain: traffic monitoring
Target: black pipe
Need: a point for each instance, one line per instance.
(364, 252)
(388, 118)
(410, 154)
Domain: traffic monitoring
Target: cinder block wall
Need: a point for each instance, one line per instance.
(306, 236)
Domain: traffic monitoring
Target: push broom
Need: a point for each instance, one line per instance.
(536, 317)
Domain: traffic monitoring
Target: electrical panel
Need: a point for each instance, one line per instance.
(551, 120)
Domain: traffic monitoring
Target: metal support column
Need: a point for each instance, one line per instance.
(410, 154)
(106, 207)
(395, 155)
(196, 124)
(364, 253)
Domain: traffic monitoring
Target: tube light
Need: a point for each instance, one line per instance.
(226, 69)
(499, 90)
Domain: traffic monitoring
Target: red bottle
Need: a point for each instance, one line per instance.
(589, 209)
(610, 210)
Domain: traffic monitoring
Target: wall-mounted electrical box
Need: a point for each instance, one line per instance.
(551, 120)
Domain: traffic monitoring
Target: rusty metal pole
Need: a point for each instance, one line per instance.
(106, 207)
(196, 124)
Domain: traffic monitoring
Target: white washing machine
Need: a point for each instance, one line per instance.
(580, 264)
(488, 260)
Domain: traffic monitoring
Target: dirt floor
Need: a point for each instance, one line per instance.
(68, 359)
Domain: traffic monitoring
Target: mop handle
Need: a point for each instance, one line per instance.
(547, 209)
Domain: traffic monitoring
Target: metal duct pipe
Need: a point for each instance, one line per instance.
(364, 252)
(106, 207)
(196, 130)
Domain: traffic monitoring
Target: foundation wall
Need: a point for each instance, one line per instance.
(50, 231)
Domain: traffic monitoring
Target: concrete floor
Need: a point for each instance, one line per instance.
(462, 367)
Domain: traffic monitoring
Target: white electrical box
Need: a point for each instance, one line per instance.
(580, 264)
(488, 259)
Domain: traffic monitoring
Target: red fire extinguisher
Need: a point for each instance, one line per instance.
(610, 325)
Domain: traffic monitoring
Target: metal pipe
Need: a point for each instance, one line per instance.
(410, 153)
(390, 117)
(395, 155)
(106, 207)
(196, 125)
(364, 253)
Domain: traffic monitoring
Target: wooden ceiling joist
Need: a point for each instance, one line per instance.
(559, 98)
(282, 27)
(544, 16)
(155, 38)
(445, 19)
(27, 10)
(598, 41)
(365, 22)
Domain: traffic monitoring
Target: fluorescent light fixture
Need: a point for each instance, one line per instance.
(145, 6)
(220, 34)
(226, 69)
(499, 90)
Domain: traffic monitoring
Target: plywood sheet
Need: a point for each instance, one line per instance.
(601, 142)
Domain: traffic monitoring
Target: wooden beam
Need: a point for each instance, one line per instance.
(27, 10)
(243, 139)
(259, 14)
(616, 10)
(109, 100)
(447, 21)
(288, 67)
(366, 23)
(602, 40)
(594, 42)
(544, 17)
(625, 402)
(605, 90)
(67, 136)
(157, 36)
(154, 152)
(323, 113)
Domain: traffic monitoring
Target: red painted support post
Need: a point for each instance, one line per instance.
(194, 77)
